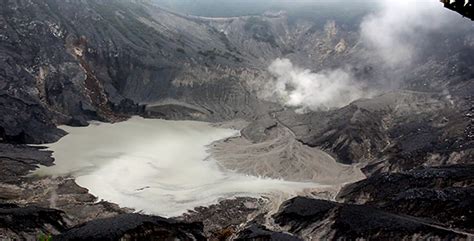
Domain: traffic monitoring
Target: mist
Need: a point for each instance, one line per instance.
(393, 36)
(399, 29)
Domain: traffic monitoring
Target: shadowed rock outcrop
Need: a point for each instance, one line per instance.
(319, 219)
(422, 192)
(19, 223)
(134, 227)
(260, 233)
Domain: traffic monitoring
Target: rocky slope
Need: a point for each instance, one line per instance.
(317, 219)
(447, 188)
(67, 62)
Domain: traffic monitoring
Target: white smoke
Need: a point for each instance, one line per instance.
(297, 87)
(397, 30)
(392, 36)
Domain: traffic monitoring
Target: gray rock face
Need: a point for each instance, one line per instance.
(75, 61)
(392, 132)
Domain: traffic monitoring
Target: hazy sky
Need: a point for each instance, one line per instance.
(247, 7)
(242, 7)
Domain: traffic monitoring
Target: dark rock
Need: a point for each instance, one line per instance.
(18, 160)
(223, 219)
(260, 233)
(330, 220)
(134, 227)
(77, 121)
(422, 193)
(24, 121)
(29, 222)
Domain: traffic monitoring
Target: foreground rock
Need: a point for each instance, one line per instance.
(318, 219)
(257, 232)
(223, 220)
(29, 223)
(134, 227)
(423, 193)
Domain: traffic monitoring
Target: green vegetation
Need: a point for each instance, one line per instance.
(45, 237)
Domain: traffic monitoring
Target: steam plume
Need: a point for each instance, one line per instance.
(393, 36)
(399, 28)
(302, 88)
